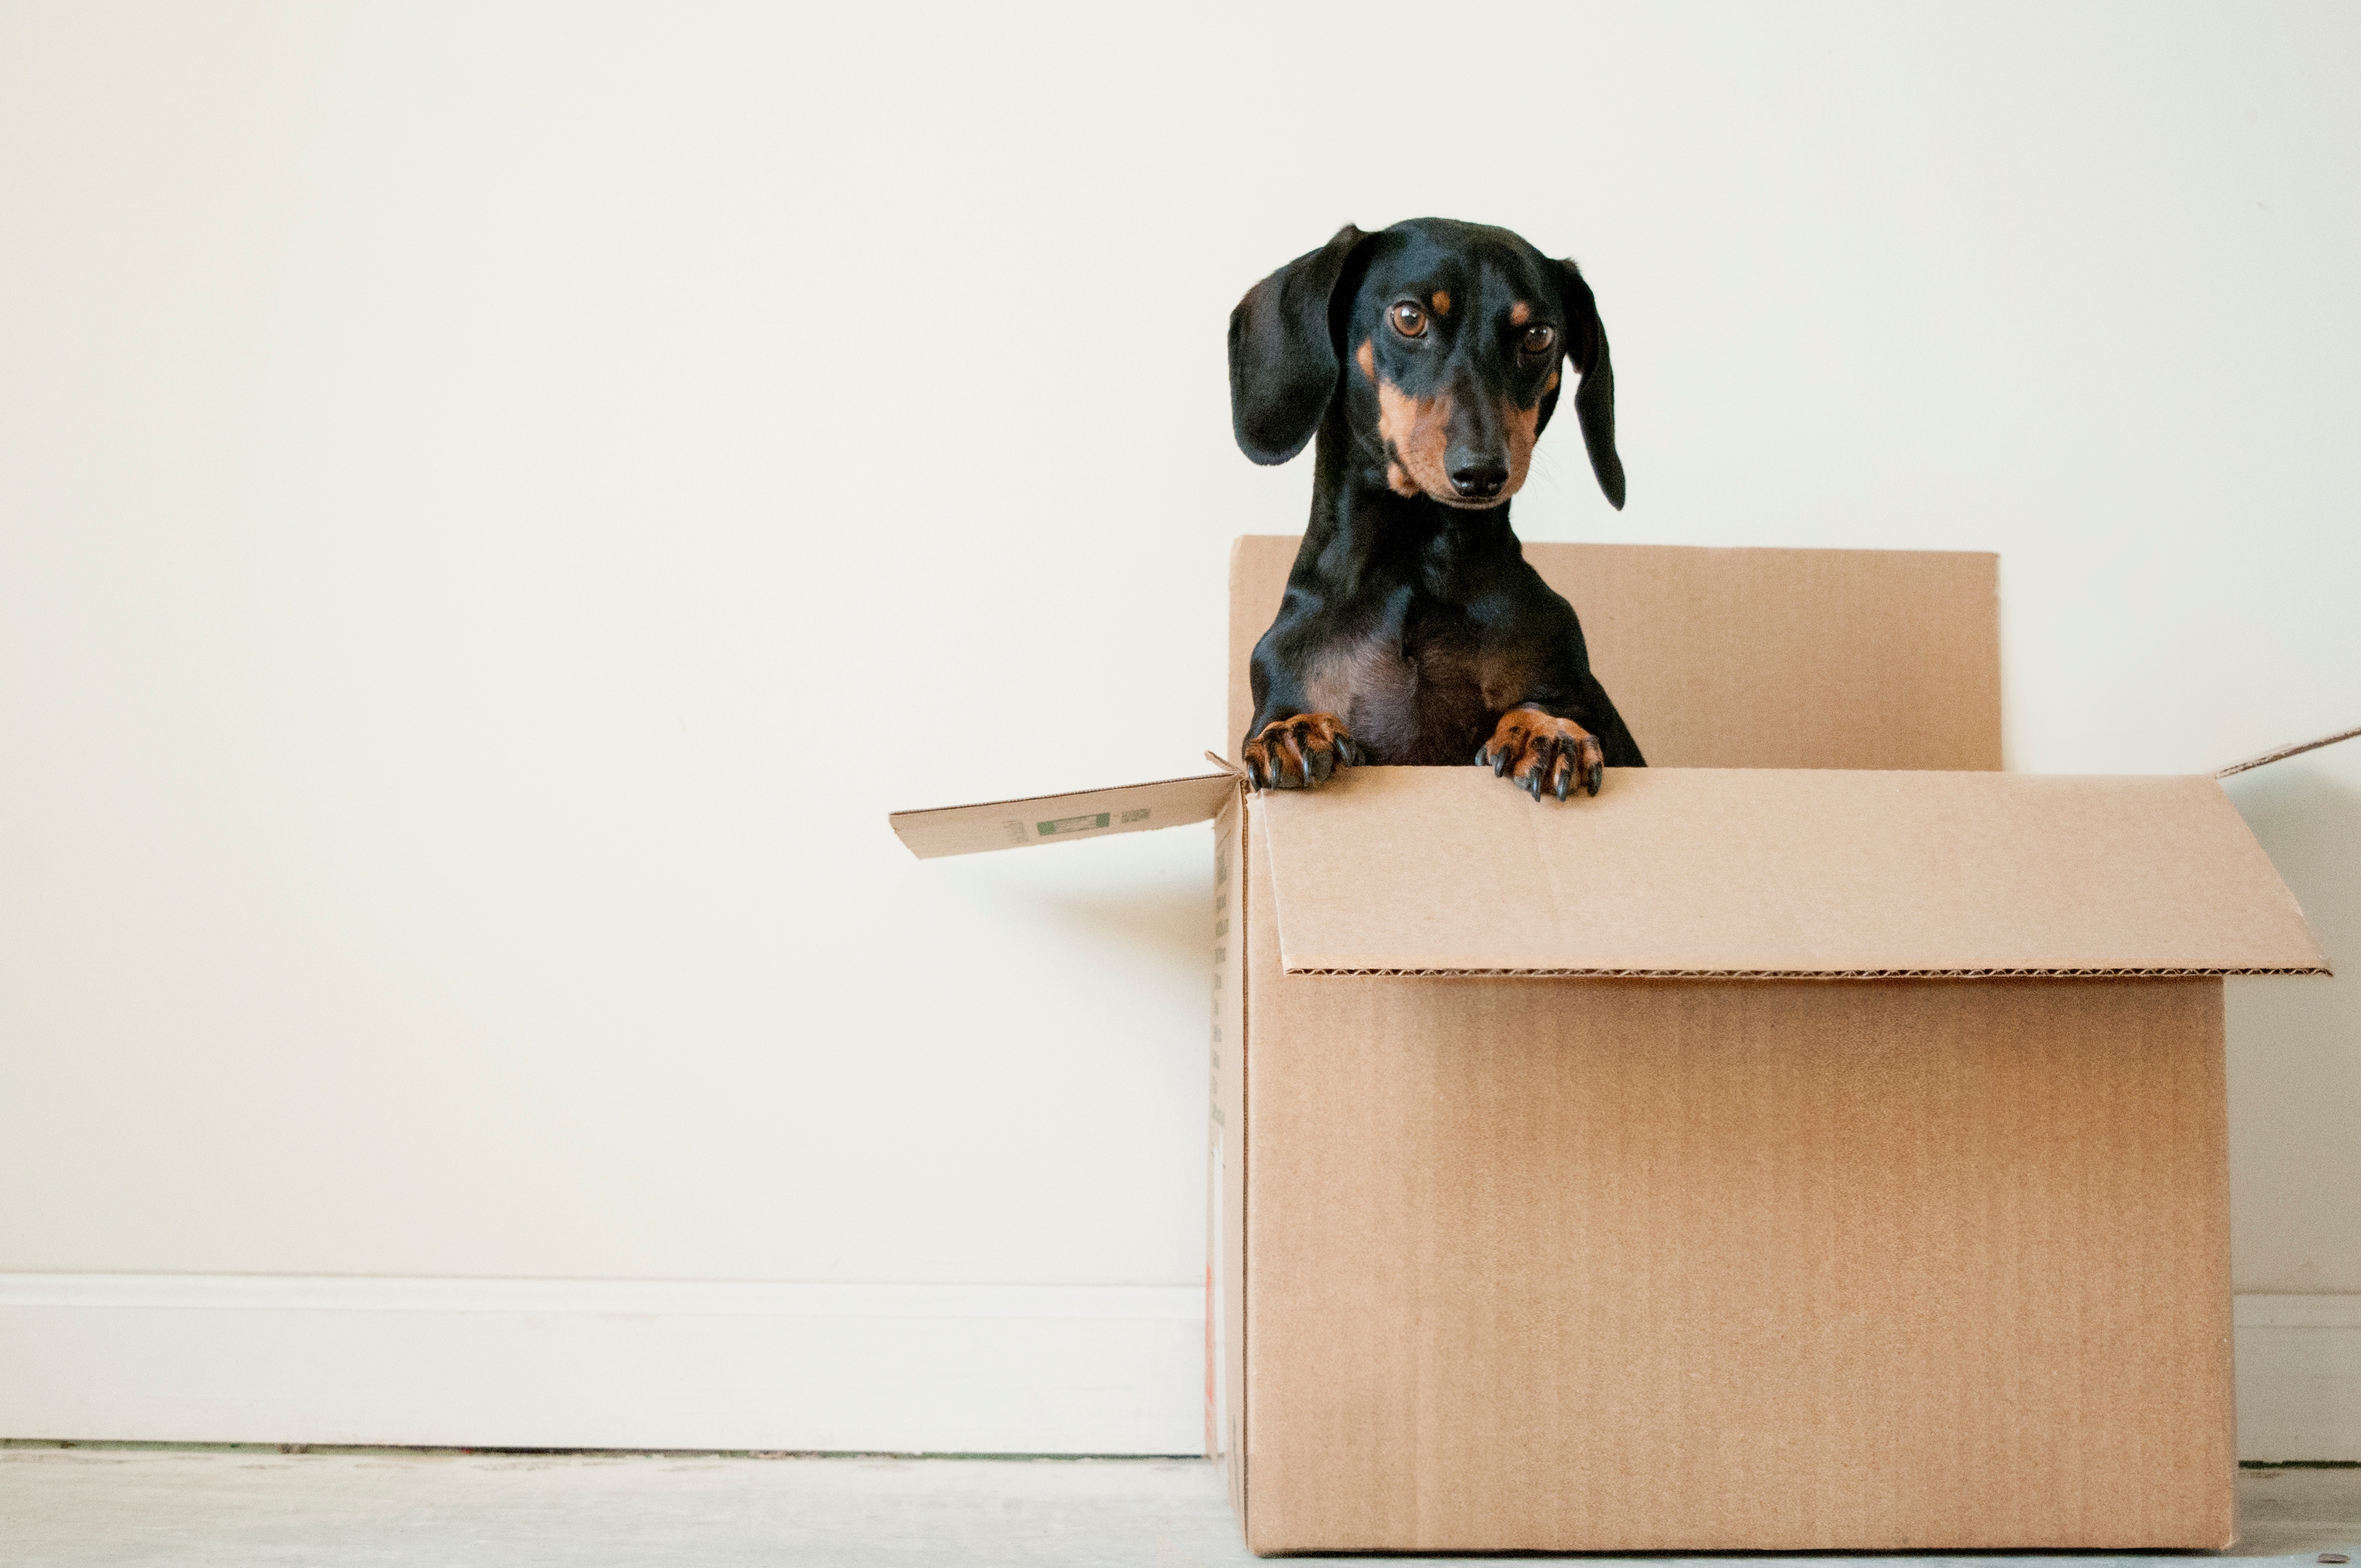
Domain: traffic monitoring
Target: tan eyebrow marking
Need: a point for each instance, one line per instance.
(1366, 356)
(1519, 314)
(1442, 302)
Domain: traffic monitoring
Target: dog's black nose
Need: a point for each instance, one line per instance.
(1480, 480)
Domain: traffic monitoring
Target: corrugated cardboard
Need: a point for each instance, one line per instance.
(1508, 1254)
(1061, 818)
(1692, 871)
(1720, 1264)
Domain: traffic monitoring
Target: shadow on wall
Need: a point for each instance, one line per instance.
(1169, 926)
(2295, 1044)
(1143, 901)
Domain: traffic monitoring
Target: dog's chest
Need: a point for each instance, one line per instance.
(1415, 694)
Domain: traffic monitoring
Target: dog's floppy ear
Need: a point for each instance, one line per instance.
(1282, 357)
(1594, 402)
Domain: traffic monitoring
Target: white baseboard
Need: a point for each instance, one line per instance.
(603, 1363)
(2299, 1377)
(625, 1364)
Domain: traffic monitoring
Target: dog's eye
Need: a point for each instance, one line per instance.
(1410, 320)
(1539, 338)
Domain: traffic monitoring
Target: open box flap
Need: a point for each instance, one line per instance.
(1055, 818)
(1753, 873)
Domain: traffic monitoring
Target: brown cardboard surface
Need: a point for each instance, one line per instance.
(1696, 871)
(1673, 1264)
(1226, 1368)
(1749, 658)
(1058, 819)
(1682, 1266)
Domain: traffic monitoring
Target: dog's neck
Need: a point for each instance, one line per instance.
(1364, 534)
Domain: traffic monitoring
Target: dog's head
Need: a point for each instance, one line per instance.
(1445, 343)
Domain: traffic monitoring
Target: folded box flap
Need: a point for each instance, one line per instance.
(1750, 872)
(1057, 818)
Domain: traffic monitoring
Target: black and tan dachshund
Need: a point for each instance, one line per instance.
(1427, 358)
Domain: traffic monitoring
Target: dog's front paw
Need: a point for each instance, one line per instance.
(1298, 752)
(1539, 754)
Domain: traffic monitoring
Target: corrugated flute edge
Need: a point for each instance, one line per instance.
(1807, 973)
(2286, 752)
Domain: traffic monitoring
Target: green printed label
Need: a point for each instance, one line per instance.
(1072, 825)
(1139, 815)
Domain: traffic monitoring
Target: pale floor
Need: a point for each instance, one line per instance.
(70, 1508)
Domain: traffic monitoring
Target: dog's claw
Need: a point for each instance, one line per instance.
(1542, 755)
(1299, 751)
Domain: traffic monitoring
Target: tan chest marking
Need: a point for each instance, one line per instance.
(1352, 678)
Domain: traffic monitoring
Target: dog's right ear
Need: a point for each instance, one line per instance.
(1282, 358)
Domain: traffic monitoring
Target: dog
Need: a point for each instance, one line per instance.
(1427, 359)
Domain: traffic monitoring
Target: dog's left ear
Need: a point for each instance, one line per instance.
(1594, 402)
(1282, 357)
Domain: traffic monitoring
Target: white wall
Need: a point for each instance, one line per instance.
(496, 503)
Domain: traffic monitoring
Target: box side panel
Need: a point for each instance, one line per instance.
(1751, 658)
(1678, 1266)
(1216, 1404)
(1258, 566)
(1792, 658)
(1227, 1193)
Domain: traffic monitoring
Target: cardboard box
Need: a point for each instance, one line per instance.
(1749, 1158)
